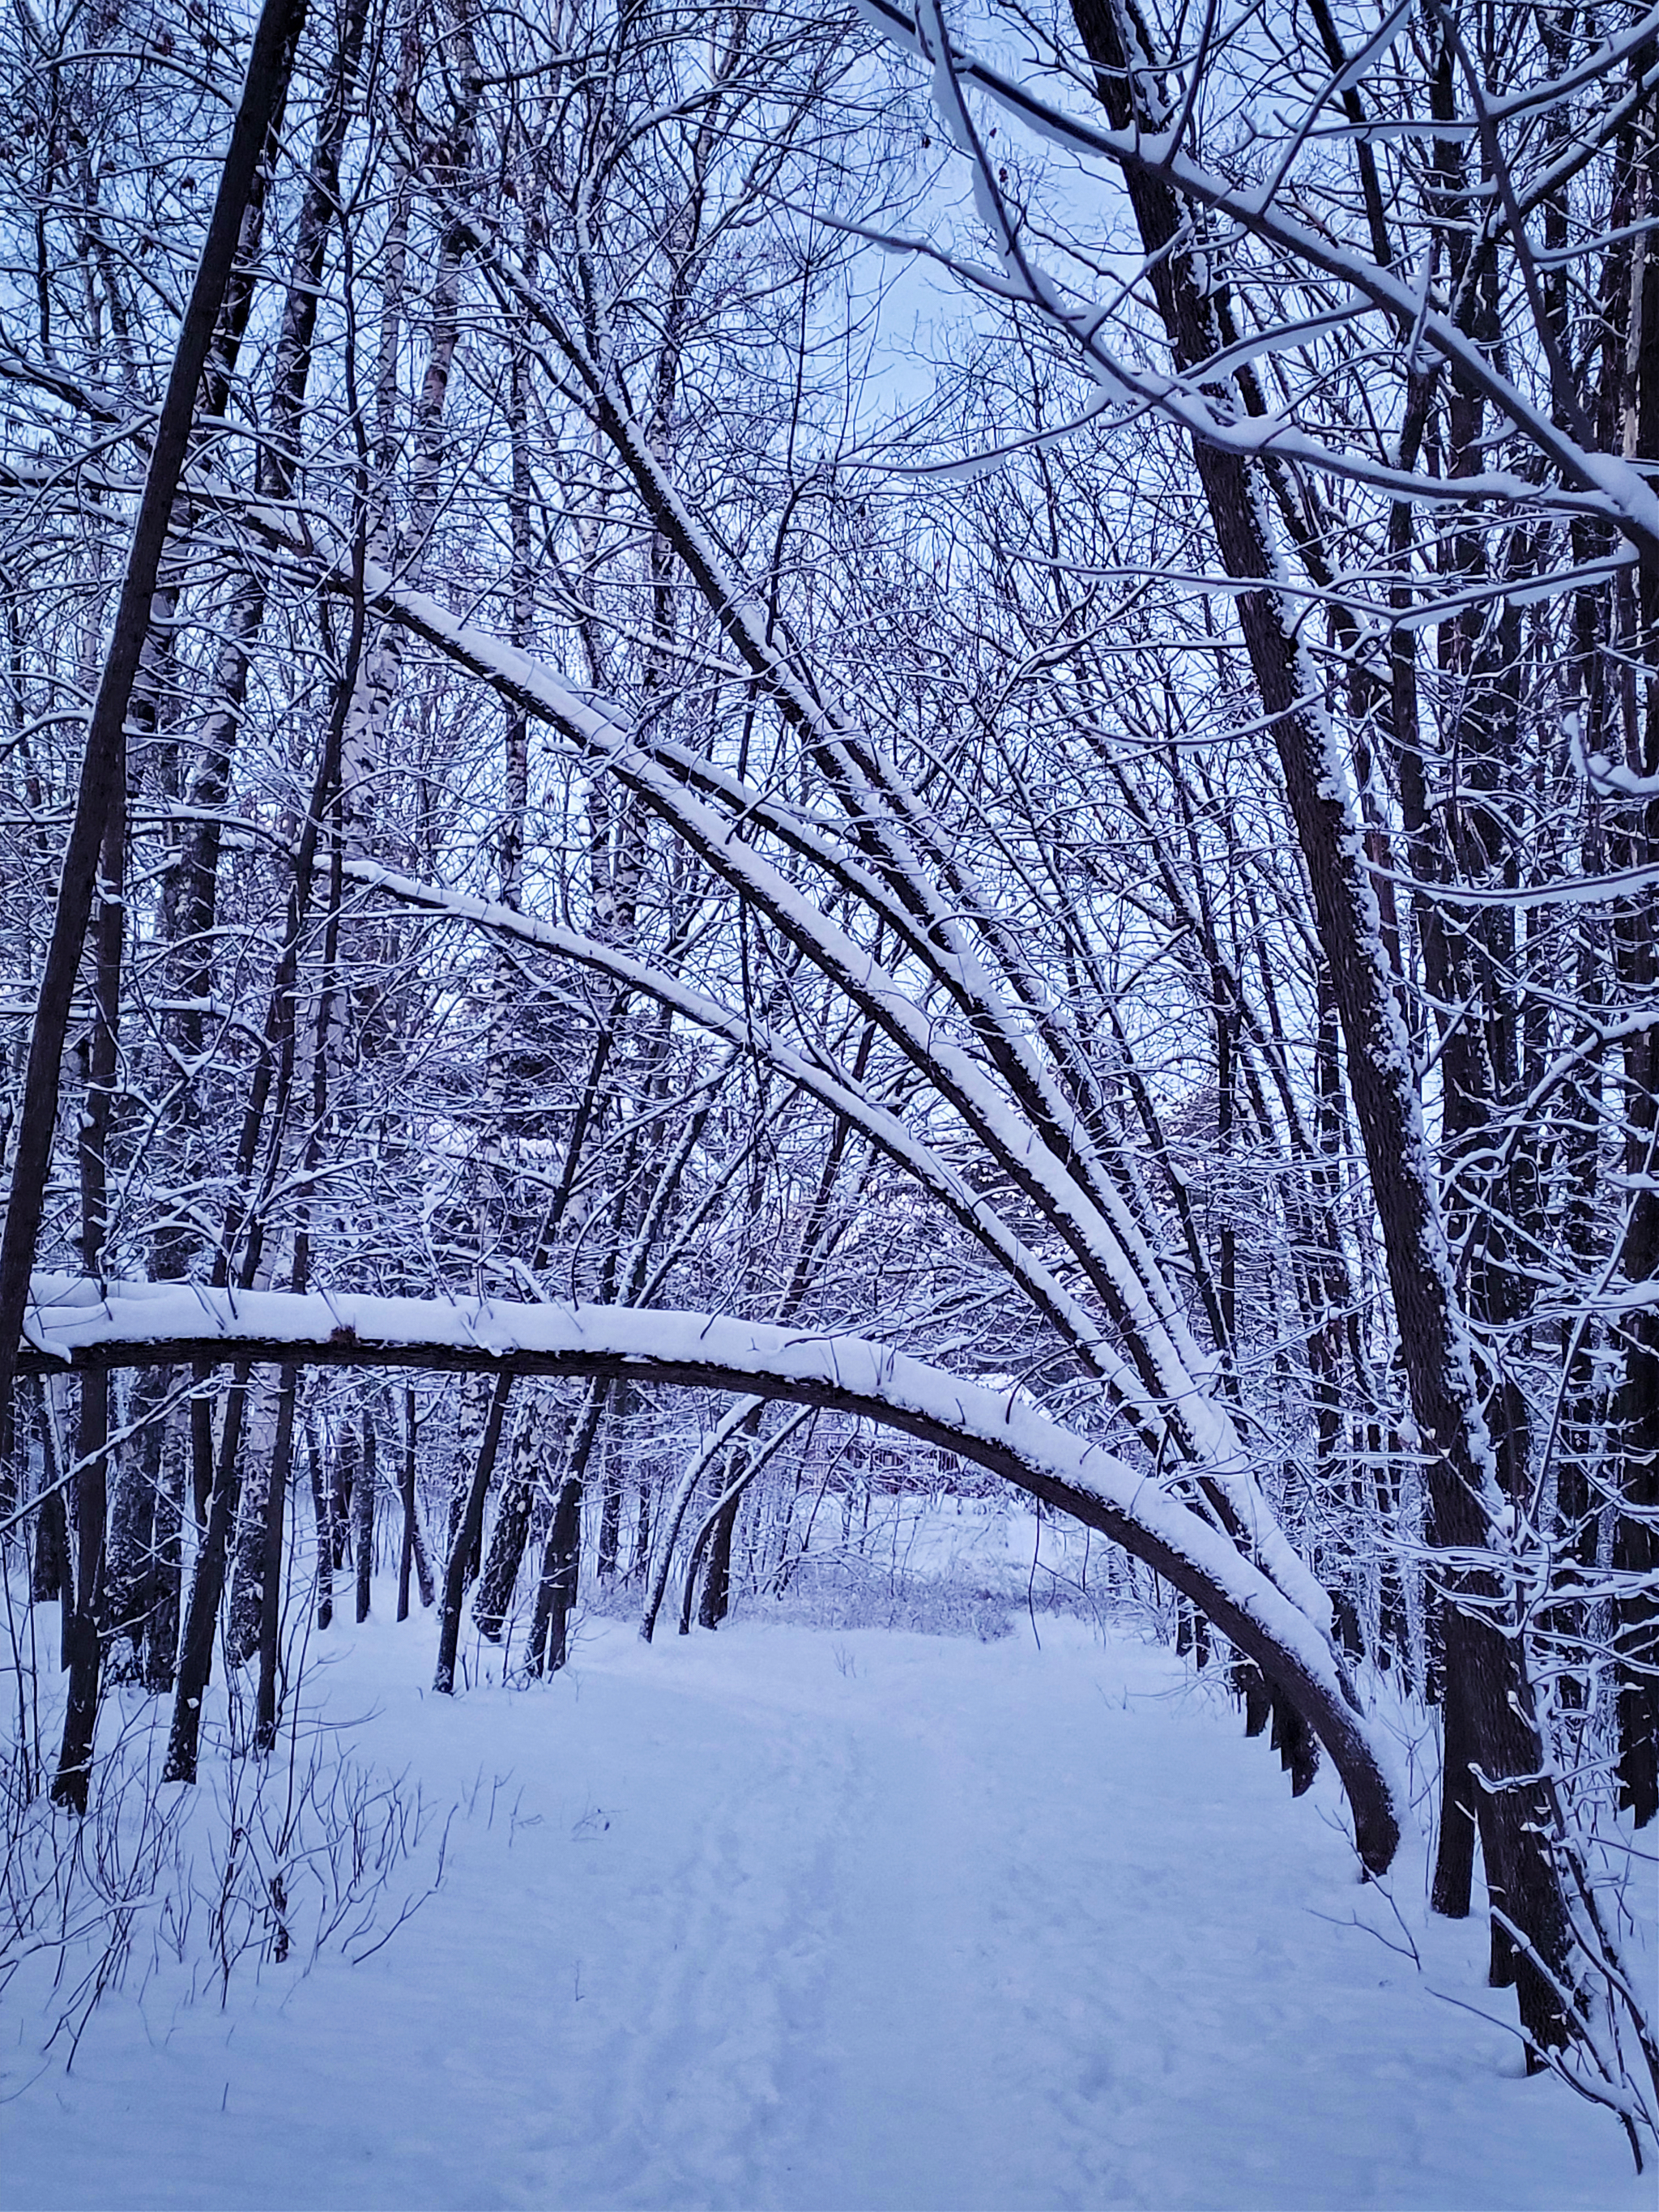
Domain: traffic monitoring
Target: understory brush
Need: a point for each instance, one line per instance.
(265, 1866)
(843, 1589)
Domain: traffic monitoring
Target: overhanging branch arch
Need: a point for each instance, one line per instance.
(75, 1324)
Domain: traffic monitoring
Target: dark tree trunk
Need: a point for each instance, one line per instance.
(1251, 1685)
(52, 1575)
(322, 1519)
(206, 1587)
(467, 1539)
(716, 1600)
(639, 1565)
(555, 1594)
(344, 1491)
(162, 1627)
(200, 1445)
(1294, 1741)
(1484, 1666)
(412, 1553)
(611, 1503)
(527, 1471)
(362, 1515)
(247, 1573)
(74, 1774)
(1636, 1528)
(1393, 1637)
(270, 1562)
(1635, 843)
(130, 1588)
(103, 768)
(70, 1784)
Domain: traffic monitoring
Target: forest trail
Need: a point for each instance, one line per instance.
(864, 1921)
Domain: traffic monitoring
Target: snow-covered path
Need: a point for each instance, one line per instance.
(785, 1918)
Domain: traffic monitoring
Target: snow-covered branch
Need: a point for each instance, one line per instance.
(73, 1324)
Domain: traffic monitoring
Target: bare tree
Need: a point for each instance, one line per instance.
(1126, 868)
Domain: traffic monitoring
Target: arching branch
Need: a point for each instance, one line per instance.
(142, 1324)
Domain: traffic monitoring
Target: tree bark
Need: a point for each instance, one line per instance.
(70, 1784)
(161, 1628)
(322, 1517)
(103, 761)
(468, 1533)
(555, 1593)
(270, 1563)
(1484, 1666)
(206, 1588)
(130, 1575)
(413, 1552)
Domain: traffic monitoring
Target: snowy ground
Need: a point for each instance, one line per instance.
(797, 1919)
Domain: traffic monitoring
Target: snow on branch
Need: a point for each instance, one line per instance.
(1601, 484)
(1120, 1267)
(76, 1322)
(1208, 1433)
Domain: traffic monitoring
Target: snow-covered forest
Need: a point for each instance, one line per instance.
(839, 825)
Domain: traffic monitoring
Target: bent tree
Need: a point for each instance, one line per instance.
(657, 855)
(1444, 144)
(139, 1326)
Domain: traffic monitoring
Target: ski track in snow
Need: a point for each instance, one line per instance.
(863, 1922)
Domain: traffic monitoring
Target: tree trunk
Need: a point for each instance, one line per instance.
(84, 1644)
(1484, 1666)
(413, 1550)
(130, 1575)
(555, 1594)
(206, 1587)
(468, 1535)
(162, 1627)
(322, 1517)
(716, 1600)
(247, 1573)
(526, 1472)
(73, 1775)
(270, 1562)
(362, 1515)
(103, 767)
